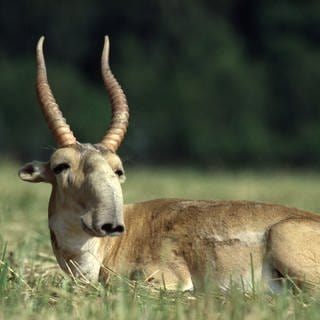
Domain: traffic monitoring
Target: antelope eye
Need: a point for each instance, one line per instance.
(119, 173)
(60, 167)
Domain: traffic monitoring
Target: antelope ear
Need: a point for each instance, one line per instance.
(36, 171)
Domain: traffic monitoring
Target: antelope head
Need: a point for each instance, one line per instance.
(85, 178)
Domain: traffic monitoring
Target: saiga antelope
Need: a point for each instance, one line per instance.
(164, 241)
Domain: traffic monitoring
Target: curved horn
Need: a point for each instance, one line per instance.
(119, 104)
(50, 109)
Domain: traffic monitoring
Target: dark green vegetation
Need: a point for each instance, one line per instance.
(33, 287)
(209, 82)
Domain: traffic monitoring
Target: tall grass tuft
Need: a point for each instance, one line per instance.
(4, 271)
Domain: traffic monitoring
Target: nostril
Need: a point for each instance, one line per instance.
(109, 229)
(119, 228)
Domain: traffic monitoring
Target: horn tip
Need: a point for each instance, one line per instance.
(106, 44)
(40, 42)
(105, 53)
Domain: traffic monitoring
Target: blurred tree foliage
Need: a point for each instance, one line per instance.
(208, 82)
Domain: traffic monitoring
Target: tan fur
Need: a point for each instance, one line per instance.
(182, 241)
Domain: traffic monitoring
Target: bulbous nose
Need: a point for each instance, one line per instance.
(112, 230)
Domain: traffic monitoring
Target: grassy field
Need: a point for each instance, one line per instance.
(32, 286)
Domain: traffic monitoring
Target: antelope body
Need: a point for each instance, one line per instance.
(166, 242)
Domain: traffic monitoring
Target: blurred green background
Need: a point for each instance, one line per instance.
(209, 83)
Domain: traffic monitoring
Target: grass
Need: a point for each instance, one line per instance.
(33, 287)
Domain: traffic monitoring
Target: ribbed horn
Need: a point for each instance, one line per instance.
(119, 104)
(50, 109)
